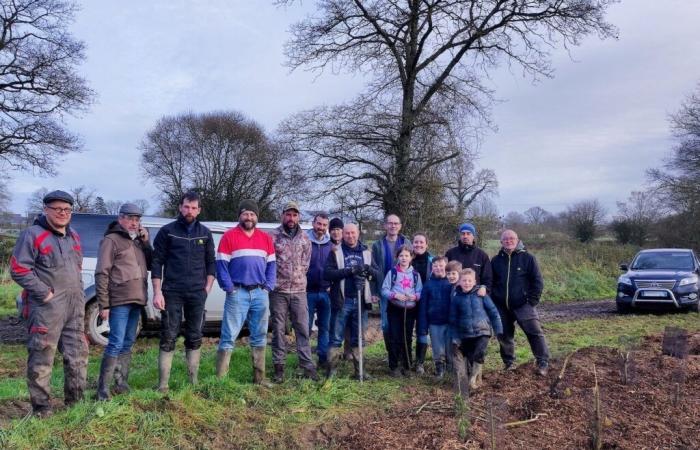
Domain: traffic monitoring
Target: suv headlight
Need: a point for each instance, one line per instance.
(689, 280)
(88, 279)
(624, 279)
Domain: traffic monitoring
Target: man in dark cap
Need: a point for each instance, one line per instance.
(47, 262)
(121, 283)
(246, 271)
(335, 230)
(183, 255)
(471, 256)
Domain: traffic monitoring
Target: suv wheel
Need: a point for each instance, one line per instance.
(97, 330)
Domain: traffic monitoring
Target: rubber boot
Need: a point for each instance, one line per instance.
(165, 363)
(461, 367)
(278, 377)
(475, 376)
(121, 374)
(109, 363)
(421, 349)
(259, 367)
(356, 365)
(439, 370)
(223, 359)
(192, 357)
(333, 354)
(310, 373)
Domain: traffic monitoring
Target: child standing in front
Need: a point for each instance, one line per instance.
(471, 319)
(434, 309)
(402, 288)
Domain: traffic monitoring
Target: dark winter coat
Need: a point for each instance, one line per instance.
(472, 257)
(338, 271)
(183, 257)
(434, 307)
(516, 279)
(472, 316)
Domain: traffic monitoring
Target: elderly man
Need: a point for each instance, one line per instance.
(471, 256)
(183, 255)
(517, 287)
(349, 269)
(46, 263)
(383, 259)
(288, 298)
(121, 283)
(317, 287)
(247, 272)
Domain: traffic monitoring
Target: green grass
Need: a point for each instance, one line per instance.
(235, 413)
(8, 293)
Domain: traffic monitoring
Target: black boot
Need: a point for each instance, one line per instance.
(109, 363)
(439, 370)
(421, 349)
(121, 373)
(278, 377)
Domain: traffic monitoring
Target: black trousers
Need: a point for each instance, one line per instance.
(474, 349)
(192, 304)
(526, 316)
(401, 323)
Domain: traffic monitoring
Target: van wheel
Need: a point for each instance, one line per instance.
(96, 329)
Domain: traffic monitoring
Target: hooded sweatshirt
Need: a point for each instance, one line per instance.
(320, 249)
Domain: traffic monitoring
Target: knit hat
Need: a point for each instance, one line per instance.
(248, 205)
(335, 222)
(467, 227)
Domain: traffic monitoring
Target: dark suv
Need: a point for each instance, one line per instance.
(659, 277)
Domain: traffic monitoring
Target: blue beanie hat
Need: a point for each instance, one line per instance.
(467, 227)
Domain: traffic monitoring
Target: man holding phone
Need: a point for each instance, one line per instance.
(183, 272)
(121, 278)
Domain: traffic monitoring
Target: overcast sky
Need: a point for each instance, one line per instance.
(590, 132)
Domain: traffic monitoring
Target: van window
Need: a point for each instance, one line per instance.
(91, 228)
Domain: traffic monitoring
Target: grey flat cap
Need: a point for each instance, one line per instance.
(130, 209)
(58, 196)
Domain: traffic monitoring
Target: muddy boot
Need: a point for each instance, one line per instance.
(259, 367)
(475, 376)
(310, 373)
(121, 373)
(42, 412)
(421, 349)
(192, 357)
(109, 363)
(278, 377)
(356, 365)
(439, 370)
(334, 354)
(541, 370)
(165, 363)
(461, 368)
(223, 358)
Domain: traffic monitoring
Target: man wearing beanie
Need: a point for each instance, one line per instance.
(471, 256)
(246, 271)
(335, 230)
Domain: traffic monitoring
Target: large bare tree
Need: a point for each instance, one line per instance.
(225, 157)
(38, 82)
(424, 60)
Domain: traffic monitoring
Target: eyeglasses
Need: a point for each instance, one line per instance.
(59, 210)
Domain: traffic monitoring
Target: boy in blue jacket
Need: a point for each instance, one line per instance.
(434, 309)
(471, 319)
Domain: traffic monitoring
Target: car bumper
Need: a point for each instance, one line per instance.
(680, 297)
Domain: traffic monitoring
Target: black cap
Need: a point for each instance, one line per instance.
(58, 195)
(248, 205)
(335, 222)
(130, 209)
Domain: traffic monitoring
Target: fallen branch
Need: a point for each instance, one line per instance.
(557, 380)
(523, 422)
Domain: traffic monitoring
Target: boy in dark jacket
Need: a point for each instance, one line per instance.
(471, 320)
(434, 310)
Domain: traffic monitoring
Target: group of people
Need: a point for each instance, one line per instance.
(453, 302)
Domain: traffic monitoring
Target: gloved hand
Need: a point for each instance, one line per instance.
(366, 270)
(357, 270)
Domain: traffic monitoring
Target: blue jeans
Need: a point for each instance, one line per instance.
(439, 340)
(383, 302)
(320, 304)
(240, 306)
(348, 317)
(123, 321)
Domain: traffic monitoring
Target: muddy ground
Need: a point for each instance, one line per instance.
(658, 408)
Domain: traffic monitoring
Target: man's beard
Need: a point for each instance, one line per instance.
(188, 218)
(248, 224)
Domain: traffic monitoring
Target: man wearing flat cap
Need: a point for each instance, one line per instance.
(471, 256)
(47, 262)
(121, 283)
(288, 299)
(246, 271)
(182, 273)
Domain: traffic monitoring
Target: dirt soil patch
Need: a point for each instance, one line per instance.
(658, 408)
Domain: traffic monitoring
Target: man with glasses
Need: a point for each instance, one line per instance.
(383, 259)
(182, 273)
(121, 283)
(47, 262)
(517, 287)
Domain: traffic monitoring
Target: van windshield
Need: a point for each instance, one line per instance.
(663, 260)
(91, 229)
